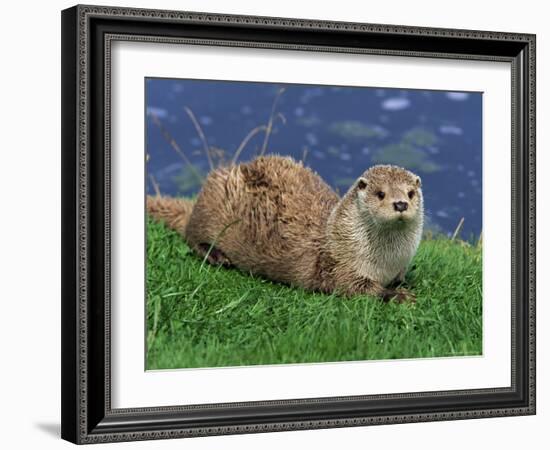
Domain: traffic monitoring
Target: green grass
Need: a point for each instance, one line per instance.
(204, 316)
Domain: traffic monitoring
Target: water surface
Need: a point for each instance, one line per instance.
(338, 131)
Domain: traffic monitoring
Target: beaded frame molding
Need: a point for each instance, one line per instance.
(87, 34)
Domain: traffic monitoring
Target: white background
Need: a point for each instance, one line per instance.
(30, 331)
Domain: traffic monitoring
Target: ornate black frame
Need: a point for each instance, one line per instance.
(87, 32)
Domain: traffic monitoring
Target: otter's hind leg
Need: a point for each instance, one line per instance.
(213, 255)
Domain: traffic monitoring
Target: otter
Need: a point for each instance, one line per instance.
(276, 218)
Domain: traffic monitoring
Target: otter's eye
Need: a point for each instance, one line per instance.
(411, 194)
(380, 195)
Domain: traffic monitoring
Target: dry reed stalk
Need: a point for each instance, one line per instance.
(168, 137)
(247, 138)
(458, 228)
(304, 154)
(201, 136)
(155, 185)
(272, 117)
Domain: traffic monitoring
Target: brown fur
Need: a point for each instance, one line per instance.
(175, 212)
(276, 218)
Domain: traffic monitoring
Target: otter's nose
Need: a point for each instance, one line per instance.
(400, 206)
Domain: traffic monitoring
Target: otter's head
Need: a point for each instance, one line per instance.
(389, 195)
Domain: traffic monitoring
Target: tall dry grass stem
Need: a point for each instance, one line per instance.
(175, 146)
(457, 230)
(202, 136)
(304, 154)
(245, 141)
(155, 185)
(272, 117)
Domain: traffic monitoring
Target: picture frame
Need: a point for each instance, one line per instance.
(88, 33)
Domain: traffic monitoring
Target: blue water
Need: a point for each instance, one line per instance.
(340, 131)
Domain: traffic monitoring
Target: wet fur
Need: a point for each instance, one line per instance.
(276, 218)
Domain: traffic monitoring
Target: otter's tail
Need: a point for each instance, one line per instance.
(174, 212)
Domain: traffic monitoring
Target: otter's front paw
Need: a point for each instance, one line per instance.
(398, 295)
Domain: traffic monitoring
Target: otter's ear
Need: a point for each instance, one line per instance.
(361, 183)
(418, 182)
